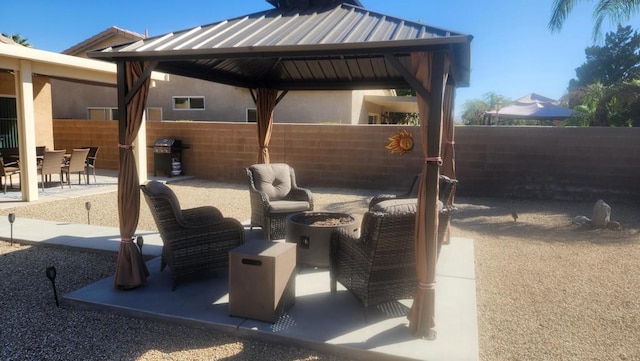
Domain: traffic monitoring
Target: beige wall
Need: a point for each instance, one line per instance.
(222, 102)
(517, 162)
(7, 84)
(41, 102)
(43, 111)
(70, 100)
(314, 107)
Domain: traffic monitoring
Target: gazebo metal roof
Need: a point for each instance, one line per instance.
(299, 45)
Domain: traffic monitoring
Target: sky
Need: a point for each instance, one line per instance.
(513, 52)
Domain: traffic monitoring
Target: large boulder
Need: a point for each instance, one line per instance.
(601, 214)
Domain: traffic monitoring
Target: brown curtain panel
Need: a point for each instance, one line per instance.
(421, 317)
(266, 102)
(448, 144)
(131, 270)
(448, 149)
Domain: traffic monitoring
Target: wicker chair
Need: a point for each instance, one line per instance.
(7, 172)
(76, 164)
(90, 164)
(447, 185)
(196, 240)
(274, 195)
(379, 265)
(52, 162)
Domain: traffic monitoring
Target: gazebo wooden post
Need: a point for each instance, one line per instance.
(448, 143)
(266, 100)
(133, 87)
(422, 315)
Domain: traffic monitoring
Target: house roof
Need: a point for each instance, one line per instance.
(60, 66)
(95, 41)
(7, 40)
(326, 45)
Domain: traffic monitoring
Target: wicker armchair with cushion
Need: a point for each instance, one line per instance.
(274, 195)
(447, 185)
(195, 240)
(379, 265)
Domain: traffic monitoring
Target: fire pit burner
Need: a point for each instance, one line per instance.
(312, 232)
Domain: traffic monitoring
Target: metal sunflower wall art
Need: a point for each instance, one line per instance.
(401, 142)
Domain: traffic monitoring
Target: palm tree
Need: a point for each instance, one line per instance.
(616, 10)
(18, 39)
(603, 106)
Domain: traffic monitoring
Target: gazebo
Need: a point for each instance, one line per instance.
(532, 106)
(303, 45)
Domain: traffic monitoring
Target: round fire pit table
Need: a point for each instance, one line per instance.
(312, 232)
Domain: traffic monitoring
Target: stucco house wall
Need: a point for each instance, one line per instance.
(43, 111)
(7, 85)
(42, 105)
(222, 102)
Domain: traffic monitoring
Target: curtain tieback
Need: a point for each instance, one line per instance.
(449, 142)
(427, 286)
(126, 240)
(433, 159)
(125, 146)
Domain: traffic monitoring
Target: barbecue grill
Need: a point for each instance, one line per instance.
(167, 157)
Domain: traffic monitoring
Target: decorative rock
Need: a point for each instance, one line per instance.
(601, 214)
(614, 226)
(581, 220)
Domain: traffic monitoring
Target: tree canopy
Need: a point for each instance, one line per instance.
(606, 91)
(618, 60)
(616, 11)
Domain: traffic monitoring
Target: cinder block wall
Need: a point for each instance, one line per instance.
(549, 162)
(520, 162)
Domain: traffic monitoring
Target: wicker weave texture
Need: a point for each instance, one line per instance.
(446, 188)
(196, 240)
(379, 265)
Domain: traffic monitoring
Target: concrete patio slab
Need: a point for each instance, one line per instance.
(319, 320)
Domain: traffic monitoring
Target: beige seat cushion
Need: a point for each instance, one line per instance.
(272, 179)
(396, 206)
(288, 206)
(399, 206)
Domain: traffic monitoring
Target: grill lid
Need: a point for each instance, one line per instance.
(167, 143)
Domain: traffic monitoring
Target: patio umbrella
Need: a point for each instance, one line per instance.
(265, 103)
(131, 270)
(429, 70)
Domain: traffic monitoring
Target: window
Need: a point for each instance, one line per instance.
(252, 115)
(100, 113)
(373, 118)
(154, 114)
(188, 103)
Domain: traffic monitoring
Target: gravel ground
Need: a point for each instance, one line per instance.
(546, 289)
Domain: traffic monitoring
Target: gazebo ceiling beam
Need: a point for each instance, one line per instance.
(408, 76)
(136, 86)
